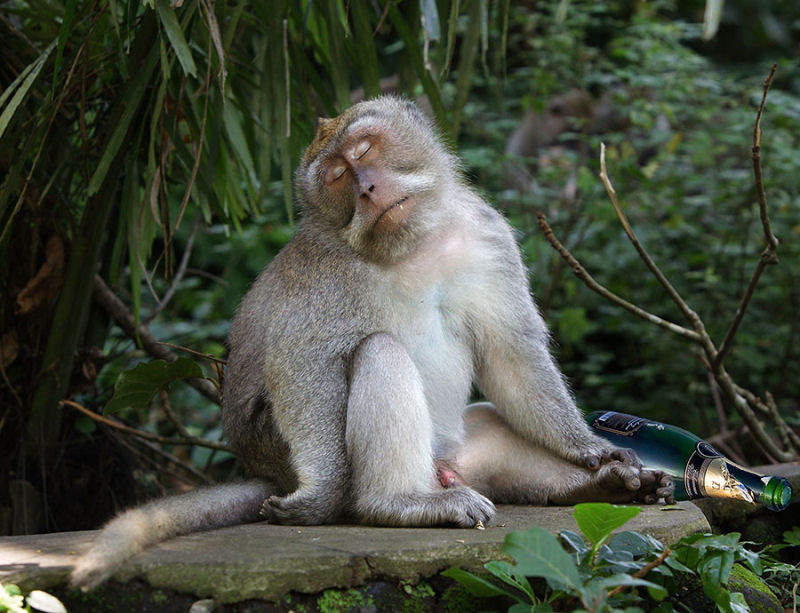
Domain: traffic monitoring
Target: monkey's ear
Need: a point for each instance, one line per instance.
(322, 122)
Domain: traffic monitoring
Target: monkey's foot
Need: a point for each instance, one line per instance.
(655, 485)
(615, 481)
(300, 508)
(458, 505)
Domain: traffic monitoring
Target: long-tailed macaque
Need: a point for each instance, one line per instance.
(353, 356)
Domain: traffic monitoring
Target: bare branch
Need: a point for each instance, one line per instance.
(768, 256)
(109, 301)
(693, 318)
(134, 445)
(584, 276)
(113, 423)
(178, 276)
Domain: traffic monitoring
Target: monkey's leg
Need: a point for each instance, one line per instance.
(389, 436)
(502, 465)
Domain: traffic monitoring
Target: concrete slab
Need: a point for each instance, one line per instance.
(262, 561)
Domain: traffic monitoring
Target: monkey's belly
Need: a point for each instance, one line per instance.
(444, 362)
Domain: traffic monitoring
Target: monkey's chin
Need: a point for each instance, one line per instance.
(394, 216)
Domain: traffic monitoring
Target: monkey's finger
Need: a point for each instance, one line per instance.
(628, 475)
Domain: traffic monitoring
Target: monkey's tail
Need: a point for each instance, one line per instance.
(136, 529)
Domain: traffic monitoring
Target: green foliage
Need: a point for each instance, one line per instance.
(627, 571)
(12, 600)
(679, 131)
(135, 387)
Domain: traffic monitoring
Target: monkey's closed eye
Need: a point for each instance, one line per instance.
(361, 150)
(334, 173)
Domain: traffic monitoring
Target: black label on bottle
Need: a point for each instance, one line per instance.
(618, 423)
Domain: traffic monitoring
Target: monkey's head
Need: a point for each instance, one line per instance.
(376, 176)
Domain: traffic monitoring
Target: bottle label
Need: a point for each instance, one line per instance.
(707, 474)
(619, 423)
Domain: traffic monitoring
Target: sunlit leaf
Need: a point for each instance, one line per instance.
(20, 86)
(597, 520)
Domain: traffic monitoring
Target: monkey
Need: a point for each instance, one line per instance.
(353, 356)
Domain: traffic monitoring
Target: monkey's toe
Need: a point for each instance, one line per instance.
(656, 485)
(467, 508)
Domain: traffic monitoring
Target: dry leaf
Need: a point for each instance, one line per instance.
(9, 348)
(44, 287)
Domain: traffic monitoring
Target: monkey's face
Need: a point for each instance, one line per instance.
(375, 175)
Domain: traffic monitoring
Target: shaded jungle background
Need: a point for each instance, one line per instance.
(147, 152)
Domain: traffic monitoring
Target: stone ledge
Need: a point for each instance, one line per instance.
(264, 562)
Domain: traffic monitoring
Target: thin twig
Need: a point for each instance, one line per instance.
(109, 301)
(178, 276)
(582, 274)
(643, 571)
(199, 354)
(133, 444)
(768, 256)
(383, 17)
(172, 416)
(693, 318)
(113, 423)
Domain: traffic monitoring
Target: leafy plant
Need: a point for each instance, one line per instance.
(12, 600)
(613, 573)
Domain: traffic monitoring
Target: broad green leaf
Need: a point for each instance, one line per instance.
(597, 520)
(627, 580)
(477, 586)
(635, 543)
(574, 540)
(20, 87)
(135, 387)
(538, 554)
(505, 572)
(175, 35)
(715, 568)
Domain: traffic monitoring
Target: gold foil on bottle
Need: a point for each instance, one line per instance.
(715, 480)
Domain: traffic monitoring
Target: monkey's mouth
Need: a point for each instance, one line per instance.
(396, 205)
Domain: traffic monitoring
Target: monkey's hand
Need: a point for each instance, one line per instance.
(594, 460)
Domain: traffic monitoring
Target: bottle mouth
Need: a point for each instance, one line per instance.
(781, 495)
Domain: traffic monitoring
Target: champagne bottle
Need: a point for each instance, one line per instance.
(697, 469)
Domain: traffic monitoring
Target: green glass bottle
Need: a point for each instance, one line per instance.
(697, 469)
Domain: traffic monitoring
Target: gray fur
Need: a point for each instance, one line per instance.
(353, 355)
